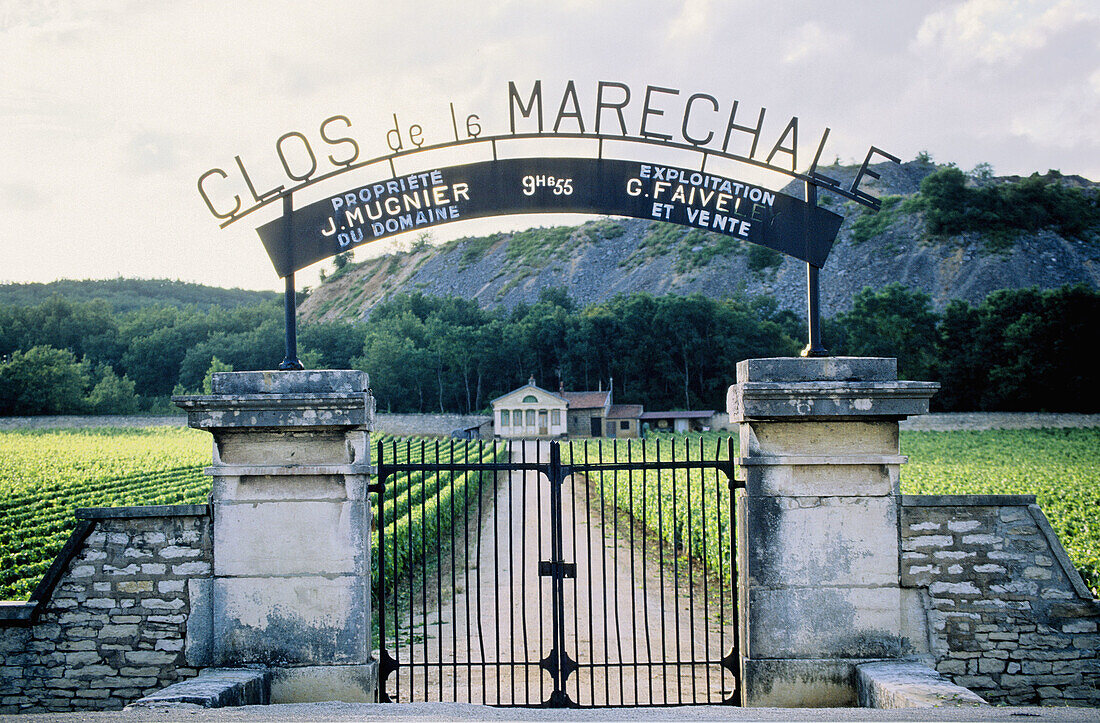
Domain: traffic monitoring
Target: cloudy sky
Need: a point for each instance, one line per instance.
(110, 111)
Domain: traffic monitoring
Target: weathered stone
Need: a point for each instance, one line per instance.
(303, 620)
(910, 685)
(214, 688)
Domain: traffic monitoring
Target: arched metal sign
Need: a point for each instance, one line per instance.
(696, 197)
(549, 185)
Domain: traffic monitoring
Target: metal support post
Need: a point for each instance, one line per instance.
(813, 306)
(290, 318)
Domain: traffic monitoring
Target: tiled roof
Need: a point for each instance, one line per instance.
(624, 411)
(704, 414)
(586, 400)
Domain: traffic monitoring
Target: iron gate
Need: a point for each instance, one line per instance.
(507, 575)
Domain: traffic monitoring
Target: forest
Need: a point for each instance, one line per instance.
(1019, 350)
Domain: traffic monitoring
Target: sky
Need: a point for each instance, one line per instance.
(111, 111)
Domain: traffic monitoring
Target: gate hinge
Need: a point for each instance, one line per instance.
(558, 570)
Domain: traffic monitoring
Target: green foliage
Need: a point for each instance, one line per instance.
(422, 508)
(695, 248)
(42, 380)
(872, 223)
(762, 257)
(891, 322)
(425, 353)
(536, 247)
(660, 239)
(605, 228)
(1021, 350)
(45, 475)
(687, 509)
(952, 206)
(216, 366)
(474, 248)
(123, 295)
(1059, 466)
(112, 394)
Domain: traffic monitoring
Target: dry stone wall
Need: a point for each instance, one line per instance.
(115, 626)
(1009, 616)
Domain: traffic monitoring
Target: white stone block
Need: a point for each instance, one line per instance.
(834, 541)
(291, 538)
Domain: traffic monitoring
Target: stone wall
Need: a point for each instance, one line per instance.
(1009, 616)
(111, 624)
(430, 424)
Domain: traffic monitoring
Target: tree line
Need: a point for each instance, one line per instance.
(1022, 350)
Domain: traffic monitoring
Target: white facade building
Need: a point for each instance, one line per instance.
(529, 412)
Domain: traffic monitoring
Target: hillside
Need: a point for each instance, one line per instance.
(602, 258)
(129, 294)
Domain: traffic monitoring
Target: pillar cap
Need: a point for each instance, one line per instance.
(818, 369)
(331, 381)
(327, 398)
(833, 388)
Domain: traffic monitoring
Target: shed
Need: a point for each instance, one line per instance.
(678, 421)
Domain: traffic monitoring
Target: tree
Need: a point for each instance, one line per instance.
(216, 366)
(112, 394)
(892, 322)
(42, 380)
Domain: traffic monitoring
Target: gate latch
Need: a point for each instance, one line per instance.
(563, 570)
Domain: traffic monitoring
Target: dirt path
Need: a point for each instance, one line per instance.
(618, 610)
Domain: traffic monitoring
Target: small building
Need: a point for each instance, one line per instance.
(532, 412)
(677, 421)
(529, 412)
(623, 420)
(587, 411)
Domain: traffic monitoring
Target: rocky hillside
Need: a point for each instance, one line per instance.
(601, 258)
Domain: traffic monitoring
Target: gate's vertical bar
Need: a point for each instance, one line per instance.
(542, 611)
(591, 612)
(557, 656)
(573, 533)
(424, 579)
(676, 578)
(707, 570)
(412, 595)
(735, 653)
(645, 576)
(633, 579)
(480, 607)
(466, 594)
(523, 575)
(453, 607)
(496, 580)
(661, 567)
(380, 521)
(603, 570)
(511, 584)
(690, 569)
(615, 568)
(439, 577)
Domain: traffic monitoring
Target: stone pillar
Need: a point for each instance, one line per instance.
(291, 521)
(818, 535)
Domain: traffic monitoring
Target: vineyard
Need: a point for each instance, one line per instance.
(688, 510)
(1061, 467)
(45, 475)
(420, 509)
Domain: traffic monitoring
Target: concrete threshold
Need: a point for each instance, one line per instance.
(433, 712)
